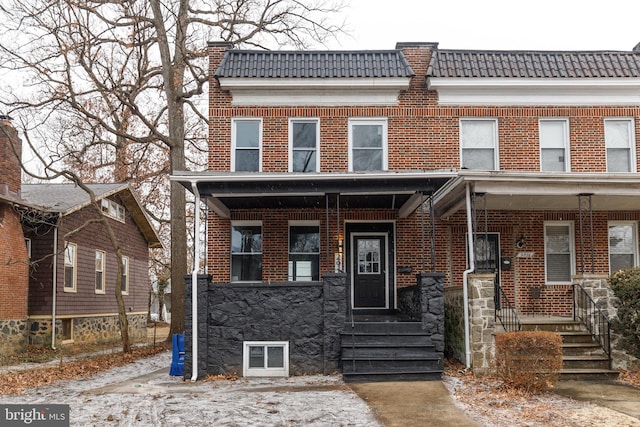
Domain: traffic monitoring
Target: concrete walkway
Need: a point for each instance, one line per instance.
(412, 403)
(610, 394)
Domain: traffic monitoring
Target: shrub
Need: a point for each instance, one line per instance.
(625, 284)
(529, 361)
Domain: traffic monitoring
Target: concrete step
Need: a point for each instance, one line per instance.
(383, 327)
(576, 337)
(552, 325)
(388, 352)
(588, 374)
(380, 376)
(397, 364)
(582, 349)
(397, 340)
(585, 362)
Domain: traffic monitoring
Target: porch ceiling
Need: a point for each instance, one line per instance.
(537, 191)
(379, 190)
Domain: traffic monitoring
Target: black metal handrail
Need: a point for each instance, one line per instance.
(505, 312)
(592, 317)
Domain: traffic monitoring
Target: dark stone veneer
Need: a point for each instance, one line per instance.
(309, 316)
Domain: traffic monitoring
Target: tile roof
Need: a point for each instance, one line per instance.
(313, 64)
(534, 64)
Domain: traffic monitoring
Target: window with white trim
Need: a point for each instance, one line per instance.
(304, 252)
(304, 135)
(265, 359)
(554, 145)
(367, 145)
(70, 264)
(479, 144)
(100, 262)
(246, 141)
(623, 245)
(125, 275)
(112, 209)
(27, 242)
(246, 251)
(620, 143)
(559, 252)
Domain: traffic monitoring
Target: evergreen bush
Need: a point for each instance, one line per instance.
(625, 284)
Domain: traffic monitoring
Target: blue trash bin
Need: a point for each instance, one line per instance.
(177, 361)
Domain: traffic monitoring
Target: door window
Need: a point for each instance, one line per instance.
(368, 256)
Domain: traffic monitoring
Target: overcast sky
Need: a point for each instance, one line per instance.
(494, 24)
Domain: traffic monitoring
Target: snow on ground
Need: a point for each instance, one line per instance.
(143, 394)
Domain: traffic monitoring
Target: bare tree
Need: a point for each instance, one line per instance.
(51, 172)
(134, 71)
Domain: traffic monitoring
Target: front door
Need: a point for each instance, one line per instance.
(369, 263)
(487, 253)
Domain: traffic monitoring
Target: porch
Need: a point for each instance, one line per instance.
(320, 332)
(588, 342)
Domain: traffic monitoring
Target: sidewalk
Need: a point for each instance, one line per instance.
(610, 394)
(412, 403)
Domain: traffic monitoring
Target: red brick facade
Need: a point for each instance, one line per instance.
(422, 135)
(14, 262)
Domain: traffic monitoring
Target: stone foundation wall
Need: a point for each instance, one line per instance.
(89, 329)
(309, 316)
(13, 336)
(454, 322)
(482, 322)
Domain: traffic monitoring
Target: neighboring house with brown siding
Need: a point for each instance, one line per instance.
(370, 180)
(57, 265)
(73, 263)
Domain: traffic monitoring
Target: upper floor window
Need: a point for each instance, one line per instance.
(112, 209)
(100, 258)
(620, 143)
(125, 275)
(246, 251)
(70, 266)
(554, 146)
(304, 252)
(246, 141)
(304, 135)
(623, 245)
(367, 145)
(479, 144)
(559, 252)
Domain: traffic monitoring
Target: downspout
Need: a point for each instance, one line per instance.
(194, 284)
(54, 286)
(465, 278)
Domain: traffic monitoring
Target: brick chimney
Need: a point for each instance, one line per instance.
(10, 158)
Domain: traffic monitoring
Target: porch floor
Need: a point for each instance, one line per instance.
(393, 317)
(542, 319)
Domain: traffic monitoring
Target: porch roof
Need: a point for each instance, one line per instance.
(225, 191)
(540, 191)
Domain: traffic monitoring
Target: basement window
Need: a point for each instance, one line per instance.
(66, 330)
(265, 359)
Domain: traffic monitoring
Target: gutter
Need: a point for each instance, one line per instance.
(194, 284)
(465, 278)
(54, 286)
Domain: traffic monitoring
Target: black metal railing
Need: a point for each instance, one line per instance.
(505, 313)
(592, 317)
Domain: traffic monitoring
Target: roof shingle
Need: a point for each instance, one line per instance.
(534, 64)
(314, 64)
